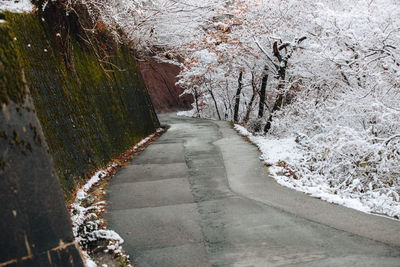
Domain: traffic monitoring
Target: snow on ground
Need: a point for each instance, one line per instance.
(193, 114)
(18, 6)
(85, 222)
(86, 225)
(88, 261)
(285, 155)
(278, 149)
(187, 113)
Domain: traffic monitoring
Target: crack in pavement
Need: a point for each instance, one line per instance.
(188, 200)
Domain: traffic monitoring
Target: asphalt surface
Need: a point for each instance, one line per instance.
(199, 196)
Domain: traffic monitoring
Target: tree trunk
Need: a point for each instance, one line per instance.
(237, 98)
(247, 117)
(278, 100)
(277, 106)
(229, 101)
(281, 85)
(262, 96)
(249, 107)
(215, 103)
(281, 68)
(196, 98)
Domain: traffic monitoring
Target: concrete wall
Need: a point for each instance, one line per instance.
(90, 112)
(64, 113)
(35, 228)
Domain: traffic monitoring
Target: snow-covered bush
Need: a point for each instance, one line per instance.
(348, 113)
(333, 84)
(350, 147)
(255, 125)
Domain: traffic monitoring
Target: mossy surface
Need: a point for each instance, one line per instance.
(91, 109)
(11, 80)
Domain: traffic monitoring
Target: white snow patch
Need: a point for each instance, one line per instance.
(206, 57)
(89, 262)
(318, 192)
(17, 6)
(105, 234)
(145, 140)
(287, 151)
(82, 193)
(187, 113)
(274, 150)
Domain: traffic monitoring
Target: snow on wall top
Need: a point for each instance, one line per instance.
(18, 6)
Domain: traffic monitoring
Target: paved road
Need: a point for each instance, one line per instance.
(199, 196)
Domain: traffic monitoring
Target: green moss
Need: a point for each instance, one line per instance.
(3, 134)
(90, 111)
(11, 80)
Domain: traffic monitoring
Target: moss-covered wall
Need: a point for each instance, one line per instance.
(35, 229)
(91, 107)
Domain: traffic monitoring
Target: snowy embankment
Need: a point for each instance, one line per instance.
(289, 163)
(85, 221)
(87, 225)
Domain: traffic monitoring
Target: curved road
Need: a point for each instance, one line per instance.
(199, 196)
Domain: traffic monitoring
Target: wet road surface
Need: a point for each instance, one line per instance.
(199, 196)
